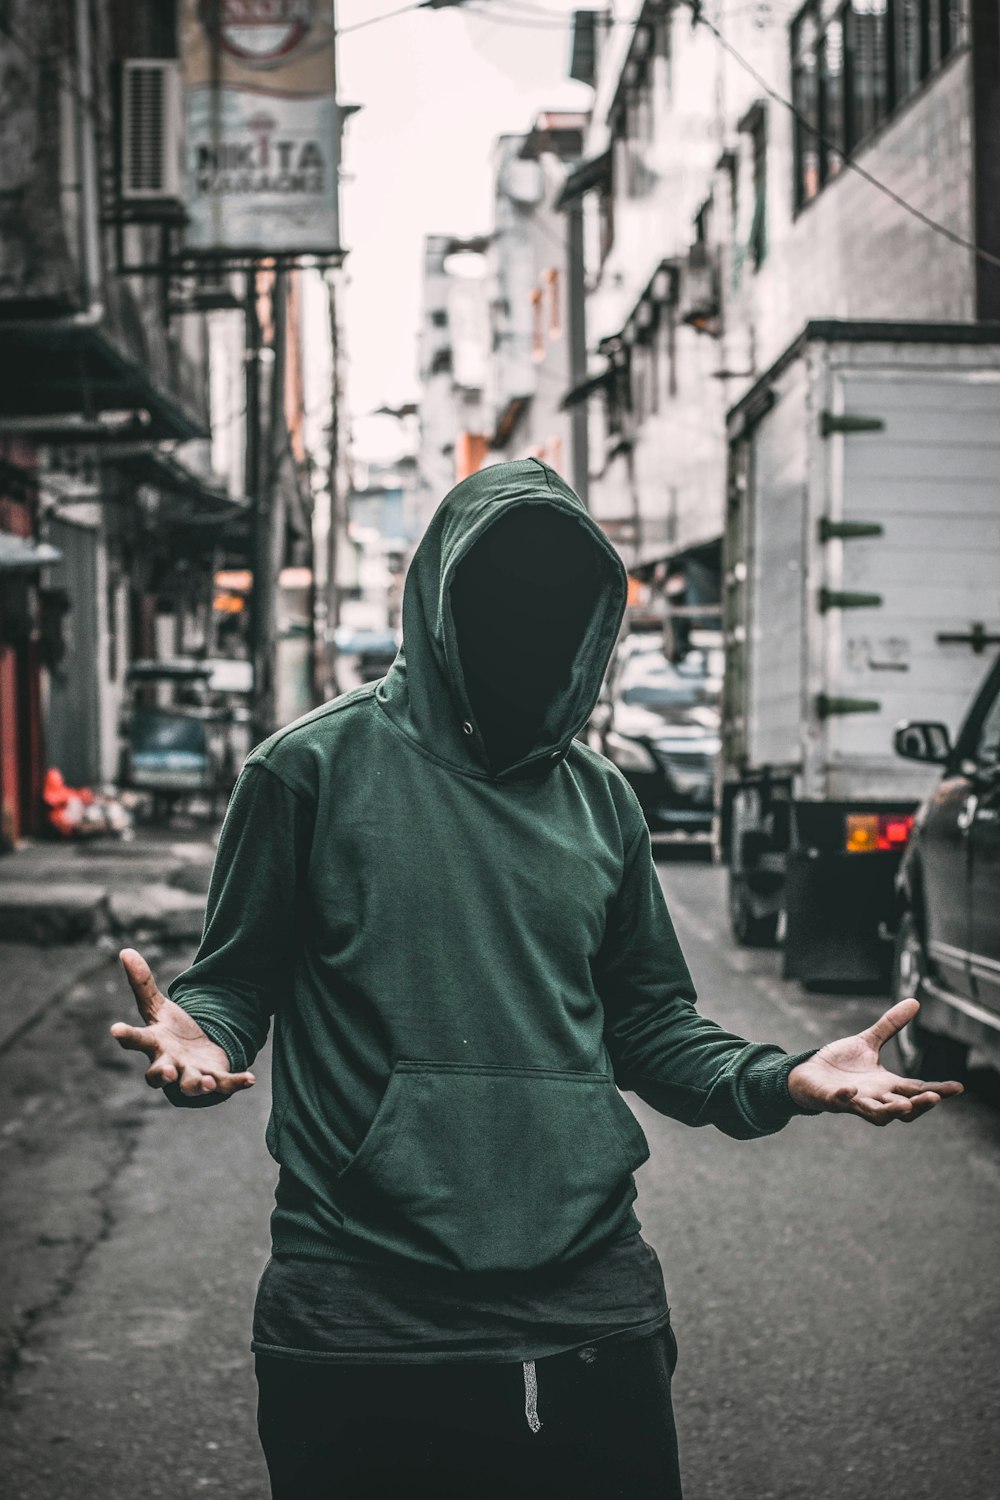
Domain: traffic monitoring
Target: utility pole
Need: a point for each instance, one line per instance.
(251, 358)
(262, 464)
(332, 604)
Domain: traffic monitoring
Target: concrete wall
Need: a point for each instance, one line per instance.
(852, 252)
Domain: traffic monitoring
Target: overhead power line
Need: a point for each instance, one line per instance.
(849, 162)
(389, 15)
(498, 17)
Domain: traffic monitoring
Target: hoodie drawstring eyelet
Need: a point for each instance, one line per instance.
(531, 1395)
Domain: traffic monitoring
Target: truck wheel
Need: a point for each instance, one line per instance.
(914, 1052)
(749, 929)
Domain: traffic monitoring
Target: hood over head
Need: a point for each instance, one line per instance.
(512, 606)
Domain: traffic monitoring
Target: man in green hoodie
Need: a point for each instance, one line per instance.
(448, 905)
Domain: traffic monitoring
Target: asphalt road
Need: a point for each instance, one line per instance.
(835, 1288)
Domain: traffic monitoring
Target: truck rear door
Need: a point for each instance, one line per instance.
(911, 556)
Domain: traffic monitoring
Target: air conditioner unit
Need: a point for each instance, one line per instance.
(151, 140)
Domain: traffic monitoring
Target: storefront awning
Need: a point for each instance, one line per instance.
(23, 554)
(595, 173)
(206, 502)
(62, 374)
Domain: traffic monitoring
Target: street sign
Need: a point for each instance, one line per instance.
(262, 127)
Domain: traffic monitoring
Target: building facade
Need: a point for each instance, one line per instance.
(727, 199)
(130, 434)
(453, 358)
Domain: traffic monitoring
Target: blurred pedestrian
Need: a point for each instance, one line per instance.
(448, 904)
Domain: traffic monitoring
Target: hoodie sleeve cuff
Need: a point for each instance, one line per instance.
(767, 1099)
(223, 1036)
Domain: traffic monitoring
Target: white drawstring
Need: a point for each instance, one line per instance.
(531, 1395)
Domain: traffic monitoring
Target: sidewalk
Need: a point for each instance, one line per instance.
(65, 907)
(72, 1104)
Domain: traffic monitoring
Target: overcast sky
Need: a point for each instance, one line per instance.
(438, 87)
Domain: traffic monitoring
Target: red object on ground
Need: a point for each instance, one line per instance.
(65, 803)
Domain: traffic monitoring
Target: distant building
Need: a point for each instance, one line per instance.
(538, 351)
(453, 358)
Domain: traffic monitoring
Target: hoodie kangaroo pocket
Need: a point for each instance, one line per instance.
(482, 1168)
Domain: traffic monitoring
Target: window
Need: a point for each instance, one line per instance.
(867, 34)
(555, 307)
(639, 371)
(439, 318)
(606, 222)
(851, 71)
(909, 43)
(618, 394)
(663, 48)
(805, 98)
(757, 245)
(833, 124)
(654, 355)
(944, 23)
(639, 88)
(754, 247)
(537, 326)
(633, 121)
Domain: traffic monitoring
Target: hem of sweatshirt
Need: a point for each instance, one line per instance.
(514, 1352)
(340, 1245)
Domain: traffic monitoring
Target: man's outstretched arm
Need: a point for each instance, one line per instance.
(209, 1031)
(687, 1066)
(847, 1077)
(181, 1057)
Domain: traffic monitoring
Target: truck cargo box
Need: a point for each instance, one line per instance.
(862, 573)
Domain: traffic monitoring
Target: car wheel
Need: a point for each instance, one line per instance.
(914, 1052)
(749, 929)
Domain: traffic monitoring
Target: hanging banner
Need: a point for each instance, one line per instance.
(262, 127)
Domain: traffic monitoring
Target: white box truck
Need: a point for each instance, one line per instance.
(861, 588)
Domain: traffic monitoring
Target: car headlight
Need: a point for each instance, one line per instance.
(628, 755)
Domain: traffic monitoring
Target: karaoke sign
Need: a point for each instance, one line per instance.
(262, 128)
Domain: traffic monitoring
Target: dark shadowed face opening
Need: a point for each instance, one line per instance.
(522, 601)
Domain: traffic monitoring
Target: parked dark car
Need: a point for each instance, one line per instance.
(660, 727)
(947, 945)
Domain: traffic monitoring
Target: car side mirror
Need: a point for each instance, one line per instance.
(926, 741)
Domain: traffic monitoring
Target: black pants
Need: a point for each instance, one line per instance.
(461, 1431)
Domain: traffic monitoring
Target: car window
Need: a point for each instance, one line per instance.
(988, 748)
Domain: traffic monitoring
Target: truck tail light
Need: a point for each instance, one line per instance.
(866, 833)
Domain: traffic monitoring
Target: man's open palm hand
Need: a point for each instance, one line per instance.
(178, 1049)
(847, 1077)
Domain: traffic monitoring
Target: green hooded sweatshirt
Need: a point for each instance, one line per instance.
(462, 959)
